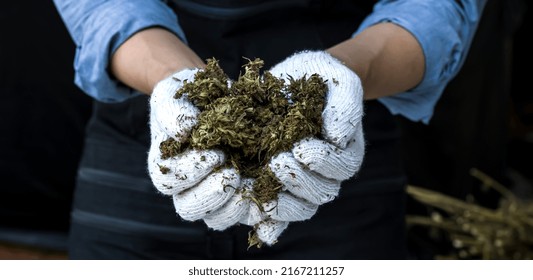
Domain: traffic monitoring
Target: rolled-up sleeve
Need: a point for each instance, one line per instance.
(444, 29)
(98, 28)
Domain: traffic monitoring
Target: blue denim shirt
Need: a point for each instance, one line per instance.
(444, 29)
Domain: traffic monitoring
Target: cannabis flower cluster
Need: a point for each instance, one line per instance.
(251, 119)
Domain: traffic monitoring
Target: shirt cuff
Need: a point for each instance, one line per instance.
(106, 28)
(444, 30)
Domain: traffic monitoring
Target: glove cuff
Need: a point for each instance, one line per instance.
(174, 117)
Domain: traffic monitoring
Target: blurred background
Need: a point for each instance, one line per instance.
(484, 120)
(42, 119)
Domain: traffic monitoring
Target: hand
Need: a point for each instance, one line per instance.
(187, 175)
(311, 173)
(242, 209)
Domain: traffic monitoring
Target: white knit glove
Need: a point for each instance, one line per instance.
(197, 190)
(311, 173)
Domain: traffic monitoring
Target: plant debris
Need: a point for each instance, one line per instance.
(251, 120)
(477, 232)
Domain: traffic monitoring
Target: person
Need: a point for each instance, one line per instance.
(403, 53)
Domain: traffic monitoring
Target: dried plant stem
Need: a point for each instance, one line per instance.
(476, 231)
(491, 183)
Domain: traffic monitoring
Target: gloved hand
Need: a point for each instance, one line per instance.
(311, 173)
(242, 209)
(187, 175)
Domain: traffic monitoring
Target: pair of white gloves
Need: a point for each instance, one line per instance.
(311, 173)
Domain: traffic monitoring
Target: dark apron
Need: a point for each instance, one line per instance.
(118, 214)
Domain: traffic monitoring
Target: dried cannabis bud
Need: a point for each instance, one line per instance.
(252, 120)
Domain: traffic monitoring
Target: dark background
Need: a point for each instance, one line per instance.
(484, 120)
(42, 119)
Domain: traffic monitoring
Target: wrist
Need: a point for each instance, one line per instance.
(387, 58)
(141, 64)
(361, 67)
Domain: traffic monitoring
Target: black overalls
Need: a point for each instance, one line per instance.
(118, 214)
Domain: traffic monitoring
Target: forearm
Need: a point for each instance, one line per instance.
(386, 57)
(149, 56)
